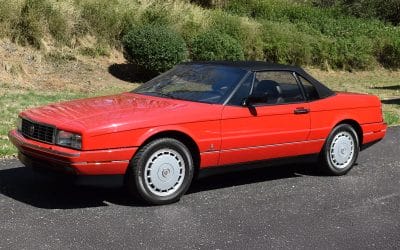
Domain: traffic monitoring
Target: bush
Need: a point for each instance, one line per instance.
(386, 10)
(284, 44)
(214, 46)
(103, 19)
(352, 53)
(155, 48)
(35, 17)
(9, 13)
(211, 3)
(156, 14)
(244, 30)
(269, 9)
(389, 56)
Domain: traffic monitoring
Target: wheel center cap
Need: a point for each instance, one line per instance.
(343, 151)
(165, 172)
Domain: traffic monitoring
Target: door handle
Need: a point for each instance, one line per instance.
(300, 111)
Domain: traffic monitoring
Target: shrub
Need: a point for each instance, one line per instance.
(213, 45)
(190, 29)
(352, 53)
(156, 14)
(284, 44)
(389, 56)
(35, 17)
(155, 48)
(386, 10)
(244, 30)
(9, 13)
(324, 3)
(103, 19)
(269, 9)
(211, 3)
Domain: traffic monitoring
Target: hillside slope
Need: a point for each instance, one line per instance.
(284, 31)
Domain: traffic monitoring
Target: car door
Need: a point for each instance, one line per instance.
(274, 127)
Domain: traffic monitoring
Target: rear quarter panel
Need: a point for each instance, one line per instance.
(327, 113)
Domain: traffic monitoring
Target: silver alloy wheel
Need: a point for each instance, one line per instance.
(341, 151)
(164, 172)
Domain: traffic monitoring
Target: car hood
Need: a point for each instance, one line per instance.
(120, 112)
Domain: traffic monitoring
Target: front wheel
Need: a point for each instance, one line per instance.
(340, 151)
(161, 171)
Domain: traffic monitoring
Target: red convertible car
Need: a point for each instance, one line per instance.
(200, 115)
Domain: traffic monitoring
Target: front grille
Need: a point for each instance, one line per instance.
(38, 131)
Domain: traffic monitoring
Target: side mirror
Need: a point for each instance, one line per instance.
(254, 99)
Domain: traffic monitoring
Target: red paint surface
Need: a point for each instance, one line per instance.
(113, 127)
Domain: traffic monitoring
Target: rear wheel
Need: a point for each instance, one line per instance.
(340, 151)
(161, 171)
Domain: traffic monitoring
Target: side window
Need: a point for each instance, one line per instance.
(309, 89)
(278, 86)
(242, 92)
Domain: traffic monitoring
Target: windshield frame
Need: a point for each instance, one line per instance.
(224, 97)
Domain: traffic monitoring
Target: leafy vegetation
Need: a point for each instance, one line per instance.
(343, 34)
(216, 46)
(391, 117)
(386, 10)
(155, 48)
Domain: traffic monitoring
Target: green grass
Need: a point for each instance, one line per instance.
(391, 117)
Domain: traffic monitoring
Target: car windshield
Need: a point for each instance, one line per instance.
(194, 82)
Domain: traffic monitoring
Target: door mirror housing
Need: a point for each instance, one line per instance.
(254, 99)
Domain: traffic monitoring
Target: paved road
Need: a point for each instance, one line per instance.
(274, 207)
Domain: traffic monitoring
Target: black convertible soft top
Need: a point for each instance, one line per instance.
(255, 66)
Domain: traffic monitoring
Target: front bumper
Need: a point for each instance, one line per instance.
(53, 157)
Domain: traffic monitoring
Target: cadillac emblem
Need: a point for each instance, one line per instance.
(31, 130)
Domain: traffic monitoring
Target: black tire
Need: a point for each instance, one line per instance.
(340, 151)
(164, 161)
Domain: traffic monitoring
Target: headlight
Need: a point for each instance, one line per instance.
(68, 139)
(19, 124)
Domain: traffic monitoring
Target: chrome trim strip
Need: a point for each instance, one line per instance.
(374, 132)
(210, 152)
(263, 146)
(99, 162)
(368, 133)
